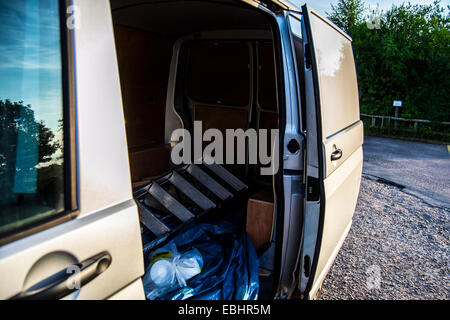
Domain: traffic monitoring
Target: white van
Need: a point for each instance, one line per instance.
(90, 94)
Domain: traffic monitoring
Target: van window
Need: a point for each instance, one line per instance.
(31, 114)
(219, 72)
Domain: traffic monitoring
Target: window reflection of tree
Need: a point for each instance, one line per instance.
(31, 168)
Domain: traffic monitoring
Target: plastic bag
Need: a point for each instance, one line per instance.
(169, 270)
(230, 264)
(187, 266)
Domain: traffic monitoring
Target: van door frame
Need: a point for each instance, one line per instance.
(288, 228)
(314, 207)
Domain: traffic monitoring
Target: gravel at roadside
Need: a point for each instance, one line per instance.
(397, 248)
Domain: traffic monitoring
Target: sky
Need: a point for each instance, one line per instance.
(30, 57)
(325, 5)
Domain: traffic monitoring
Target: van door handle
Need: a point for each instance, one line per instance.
(68, 280)
(336, 155)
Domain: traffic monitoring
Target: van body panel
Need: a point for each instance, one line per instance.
(99, 104)
(108, 217)
(134, 291)
(341, 190)
(337, 77)
(349, 141)
(283, 4)
(332, 91)
(25, 262)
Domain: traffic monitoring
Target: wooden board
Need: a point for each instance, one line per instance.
(144, 62)
(149, 161)
(260, 211)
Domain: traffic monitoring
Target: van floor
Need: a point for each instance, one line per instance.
(235, 212)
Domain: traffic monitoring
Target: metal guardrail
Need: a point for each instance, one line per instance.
(387, 120)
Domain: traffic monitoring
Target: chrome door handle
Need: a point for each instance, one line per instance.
(336, 155)
(67, 281)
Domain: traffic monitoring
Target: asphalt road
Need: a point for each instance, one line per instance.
(423, 169)
(398, 246)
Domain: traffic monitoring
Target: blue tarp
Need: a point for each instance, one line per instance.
(230, 270)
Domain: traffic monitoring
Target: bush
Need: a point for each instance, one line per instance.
(407, 59)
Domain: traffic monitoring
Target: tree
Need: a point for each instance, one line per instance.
(408, 58)
(347, 13)
(18, 119)
(47, 144)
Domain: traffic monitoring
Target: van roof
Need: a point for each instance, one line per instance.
(286, 4)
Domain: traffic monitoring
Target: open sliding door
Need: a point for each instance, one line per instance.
(333, 145)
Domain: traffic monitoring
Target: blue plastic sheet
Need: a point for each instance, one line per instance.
(230, 270)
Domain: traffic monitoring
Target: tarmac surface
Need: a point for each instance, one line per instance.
(398, 245)
(423, 169)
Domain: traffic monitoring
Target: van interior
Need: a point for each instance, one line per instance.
(186, 61)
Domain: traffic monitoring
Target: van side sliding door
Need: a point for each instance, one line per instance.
(333, 145)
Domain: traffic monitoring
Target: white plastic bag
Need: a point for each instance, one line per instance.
(169, 270)
(187, 266)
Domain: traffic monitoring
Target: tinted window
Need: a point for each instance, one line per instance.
(31, 114)
(219, 72)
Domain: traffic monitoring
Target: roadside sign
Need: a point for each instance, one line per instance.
(397, 103)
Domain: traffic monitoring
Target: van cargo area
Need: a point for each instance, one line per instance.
(208, 61)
